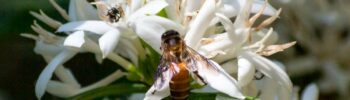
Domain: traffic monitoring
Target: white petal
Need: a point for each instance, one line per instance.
(200, 24)
(75, 39)
(268, 88)
(269, 69)
(46, 19)
(151, 8)
(220, 80)
(66, 76)
(91, 46)
(61, 89)
(284, 94)
(150, 33)
(251, 89)
(205, 89)
(229, 8)
(46, 74)
(310, 92)
(108, 42)
(150, 28)
(172, 10)
(48, 49)
(107, 80)
(230, 66)
(81, 10)
(243, 15)
(98, 27)
(162, 92)
(236, 36)
(99, 58)
(246, 72)
(158, 95)
(60, 10)
(258, 4)
(135, 5)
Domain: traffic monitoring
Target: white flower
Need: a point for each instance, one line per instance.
(57, 50)
(228, 45)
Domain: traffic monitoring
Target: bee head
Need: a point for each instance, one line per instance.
(172, 40)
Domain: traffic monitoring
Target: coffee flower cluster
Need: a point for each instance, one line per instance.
(221, 30)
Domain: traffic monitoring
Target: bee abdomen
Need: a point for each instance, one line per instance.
(179, 85)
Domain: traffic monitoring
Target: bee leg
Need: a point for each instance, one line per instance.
(199, 77)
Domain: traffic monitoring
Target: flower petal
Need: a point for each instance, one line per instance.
(220, 80)
(269, 69)
(135, 5)
(108, 42)
(246, 72)
(200, 24)
(310, 92)
(258, 4)
(46, 49)
(285, 94)
(150, 28)
(151, 8)
(81, 10)
(229, 8)
(268, 88)
(98, 27)
(75, 39)
(66, 76)
(107, 80)
(46, 74)
(230, 66)
(61, 89)
(162, 92)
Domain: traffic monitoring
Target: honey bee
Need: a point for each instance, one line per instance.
(179, 62)
(114, 14)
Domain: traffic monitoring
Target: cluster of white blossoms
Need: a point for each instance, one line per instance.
(221, 30)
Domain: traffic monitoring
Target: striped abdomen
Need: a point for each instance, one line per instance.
(180, 84)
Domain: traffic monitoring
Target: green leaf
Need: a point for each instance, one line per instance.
(116, 89)
(148, 66)
(162, 13)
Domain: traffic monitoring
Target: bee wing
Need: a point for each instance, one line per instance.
(211, 73)
(160, 88)
(194, 60)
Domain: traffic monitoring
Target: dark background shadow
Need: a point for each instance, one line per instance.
(20, 66)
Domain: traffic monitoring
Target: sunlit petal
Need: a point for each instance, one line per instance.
(246, 72)
(200, 24)
(150, 33)
(269, 69)
(162, 92)
(220, 80)
(108, 42)
(98, 27)
(75, 39)
(151, 8)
